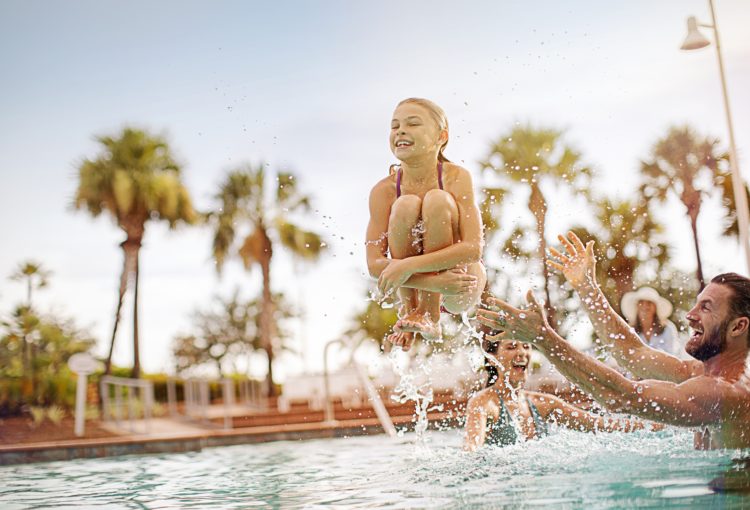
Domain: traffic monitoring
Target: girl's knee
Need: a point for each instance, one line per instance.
(407, 208)
(438, 199)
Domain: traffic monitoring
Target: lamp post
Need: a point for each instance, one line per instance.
(695, 40)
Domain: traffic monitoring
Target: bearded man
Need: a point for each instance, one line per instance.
(710, 393)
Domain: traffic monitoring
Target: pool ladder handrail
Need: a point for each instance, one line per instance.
(372, 392)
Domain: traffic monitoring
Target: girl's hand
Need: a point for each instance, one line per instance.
(578, 264)
(454, 282)
(394, 276)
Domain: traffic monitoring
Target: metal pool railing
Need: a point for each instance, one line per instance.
(114, 390)
(197, 398)
(372, 392)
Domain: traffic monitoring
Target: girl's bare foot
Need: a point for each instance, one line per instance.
(401, 339)
(419, 322)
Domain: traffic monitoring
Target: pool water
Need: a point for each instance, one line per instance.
(565, 470)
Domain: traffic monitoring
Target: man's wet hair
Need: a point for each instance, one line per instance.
(739, 305)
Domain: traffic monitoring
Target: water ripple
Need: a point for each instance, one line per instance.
(565, 470)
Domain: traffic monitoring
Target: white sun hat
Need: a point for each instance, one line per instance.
(629, 304)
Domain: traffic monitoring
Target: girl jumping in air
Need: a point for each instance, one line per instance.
(424, 216)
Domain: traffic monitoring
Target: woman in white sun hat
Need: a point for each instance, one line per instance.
(649, 313)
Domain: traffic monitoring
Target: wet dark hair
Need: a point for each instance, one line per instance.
(739, 305)
(490, 347)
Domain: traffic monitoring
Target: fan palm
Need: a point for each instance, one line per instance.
(245, 204)
(681, 163)
(35, 275)
(628, 241)
(134, 179)
(528, 156)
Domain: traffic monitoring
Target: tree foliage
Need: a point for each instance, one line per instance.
(34, 350)
(134, 179)
(688, 166)
(525, 157)
(228, 331)
(253, 215)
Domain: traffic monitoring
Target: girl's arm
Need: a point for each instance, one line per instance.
(376, 245)
(466, 251)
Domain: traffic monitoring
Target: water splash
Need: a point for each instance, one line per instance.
(409, 389)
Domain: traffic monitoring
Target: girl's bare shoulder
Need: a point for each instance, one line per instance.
(384, 188)
(455, 174)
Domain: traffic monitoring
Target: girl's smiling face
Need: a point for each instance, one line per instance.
(414, 133)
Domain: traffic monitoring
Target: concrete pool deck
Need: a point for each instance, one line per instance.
(167, 435)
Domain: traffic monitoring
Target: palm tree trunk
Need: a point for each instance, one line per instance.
(126, 264)
(538, 206)
(136, 373)
(699, 269)
(266, 319)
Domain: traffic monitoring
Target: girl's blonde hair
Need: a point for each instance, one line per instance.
(438, 115)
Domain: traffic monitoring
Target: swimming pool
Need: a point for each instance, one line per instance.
(566, 470)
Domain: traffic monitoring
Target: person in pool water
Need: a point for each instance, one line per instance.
(424, 215)
(504, 412)
(710, 393)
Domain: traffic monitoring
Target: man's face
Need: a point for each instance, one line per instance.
(709, 320)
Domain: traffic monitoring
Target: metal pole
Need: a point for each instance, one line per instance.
(80, 404)
(740, 197)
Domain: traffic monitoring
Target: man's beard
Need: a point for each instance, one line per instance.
(712, 343)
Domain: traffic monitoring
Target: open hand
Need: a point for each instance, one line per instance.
(528, 325)
(578, 264)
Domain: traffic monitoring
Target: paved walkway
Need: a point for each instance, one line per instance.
(155, 427)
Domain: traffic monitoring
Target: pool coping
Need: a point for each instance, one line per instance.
(195, 442)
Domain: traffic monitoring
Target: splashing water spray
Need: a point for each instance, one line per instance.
(409, 389)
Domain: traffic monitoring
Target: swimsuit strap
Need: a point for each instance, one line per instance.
(539, 424)
(503, 431)
(400, 172)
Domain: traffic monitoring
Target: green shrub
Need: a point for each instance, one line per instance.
(55, 414)
(37, 415)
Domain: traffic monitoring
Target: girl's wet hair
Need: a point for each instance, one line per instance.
(437, 114)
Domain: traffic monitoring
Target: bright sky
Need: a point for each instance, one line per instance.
(310, 87)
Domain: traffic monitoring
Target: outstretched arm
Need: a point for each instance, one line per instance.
(558, 411)
(578, 264)
(698, 401)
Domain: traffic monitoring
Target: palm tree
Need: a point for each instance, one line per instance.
(34, 274)
(679, 163)
(527, 156)
(245, 203)
(134, 179)
(723, 181)
(627, 242)
(36, 277)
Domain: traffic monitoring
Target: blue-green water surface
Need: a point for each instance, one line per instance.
(565, 470)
